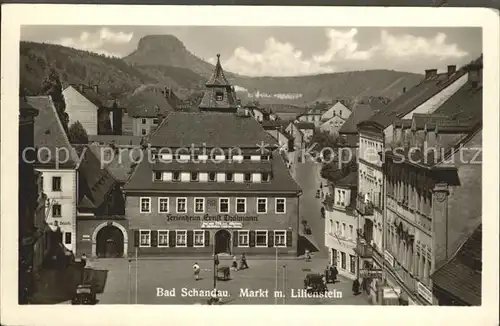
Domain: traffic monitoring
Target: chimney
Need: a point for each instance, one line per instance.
(451, 70)
(430, 73)
(96, 88)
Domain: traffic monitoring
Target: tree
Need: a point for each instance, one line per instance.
(52, 86)
(77, 134)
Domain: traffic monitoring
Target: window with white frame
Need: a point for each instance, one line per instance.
(261, 238)
(194, 176)
(280, 206)
(199, 238)
(181, 205)
(243, 238)
(280, 238)
(199, 205)
(241, 205)
(145, 238)
(212, 177)
(181, 238)
(162, 238)
(158, 176)
(56, 210)
(145, 203)
(262, 205)
(223, 205)
(163, 204)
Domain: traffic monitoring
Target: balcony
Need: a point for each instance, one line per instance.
(363, 207)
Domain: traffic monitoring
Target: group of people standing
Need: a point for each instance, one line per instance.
(234, 265)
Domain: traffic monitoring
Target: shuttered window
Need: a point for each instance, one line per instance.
(280, 238)
(199, 238)
(145, 238)
(181, 238)
(261, 238)
(162, 238)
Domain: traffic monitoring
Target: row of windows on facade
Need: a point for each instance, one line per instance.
(343, 261)
(200, 238)
(410, 196)
(217, 157)
(341, 232)
(199, 205)
(211, 177)
(415, 260)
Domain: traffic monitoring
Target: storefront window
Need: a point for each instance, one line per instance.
(145, 238)
(199, 238)
(343, 260)
(243, 238)
(261, 238)
(163, 238)
(181, 238)
(280, 238)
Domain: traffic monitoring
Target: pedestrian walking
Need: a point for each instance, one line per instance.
(216, 260)
(83, 259)
(308, 255)
(334, 272)
(196, 269)
(355, 287)
(243, 263)
(234, 265)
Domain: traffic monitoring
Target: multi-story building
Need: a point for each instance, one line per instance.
(336, 110)
(213, 182)
(434, 194)
(375, 135)
(342, 225)
(188, 203)
(57, 162)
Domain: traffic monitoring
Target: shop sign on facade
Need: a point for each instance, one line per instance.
(388, 257)
(424, 292)
(370, 273)
(391, 293)
(221, 225)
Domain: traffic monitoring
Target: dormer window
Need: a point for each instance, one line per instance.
(248, 177)
(266, 177)
(176, 176)
(212, 176)
(158, 176)
(219, 96)
(229, 177)
(156, 121)
(194, 176)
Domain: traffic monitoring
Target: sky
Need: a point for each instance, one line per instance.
(286, 51)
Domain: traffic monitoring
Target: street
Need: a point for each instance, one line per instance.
(307, 175)
(177, 274)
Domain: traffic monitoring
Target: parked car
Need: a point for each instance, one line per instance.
(313, 283)
(84, 294)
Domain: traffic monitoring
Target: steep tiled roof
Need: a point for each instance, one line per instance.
(182, 129)
(361, 112)
(351, 180)
(148, 104)
(95, 182)
(281, 181)
(121, 164)
(415, 96)
(50, 135)
(305, 125)
(461, 275)
(209, 99)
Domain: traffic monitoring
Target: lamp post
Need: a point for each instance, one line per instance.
(284, 283)
(129, 278)
(276, 283)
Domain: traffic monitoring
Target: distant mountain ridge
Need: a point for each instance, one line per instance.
(163, 60)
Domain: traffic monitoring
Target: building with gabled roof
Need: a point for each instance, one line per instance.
(212, 183)
(219, 94)
(432, 174)
(58, 162)
(101, 225)
(98, 114)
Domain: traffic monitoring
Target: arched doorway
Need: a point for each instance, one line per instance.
(222, 242)
(109, 242)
